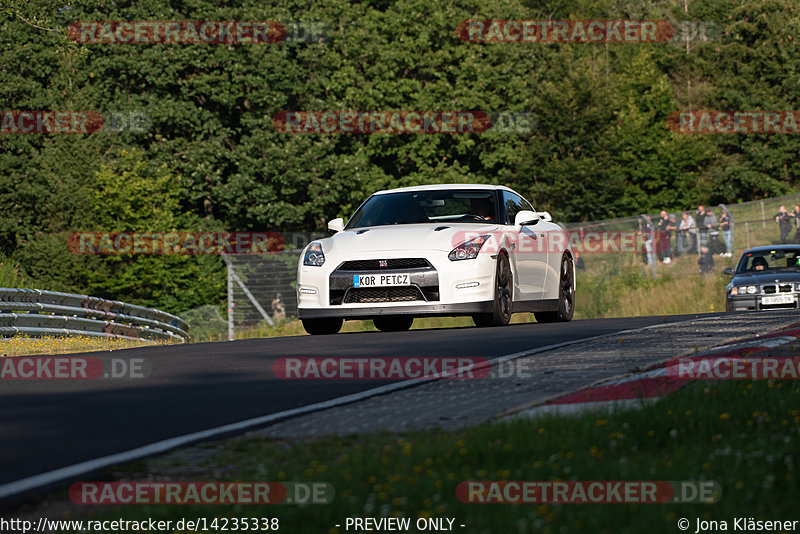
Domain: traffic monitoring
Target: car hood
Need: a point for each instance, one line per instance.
(441, 237)
(765, 278)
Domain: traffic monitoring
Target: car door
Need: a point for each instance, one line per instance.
(529, 255)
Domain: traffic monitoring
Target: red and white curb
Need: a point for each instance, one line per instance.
(657, 381)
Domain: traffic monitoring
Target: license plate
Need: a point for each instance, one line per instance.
(778, 299)
(381, 280)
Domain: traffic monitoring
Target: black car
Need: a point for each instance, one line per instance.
(766, 278)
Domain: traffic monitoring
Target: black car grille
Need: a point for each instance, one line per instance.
(382, 294)
(374, 265)
(772, 289)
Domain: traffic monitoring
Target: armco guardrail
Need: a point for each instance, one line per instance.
(35, 312)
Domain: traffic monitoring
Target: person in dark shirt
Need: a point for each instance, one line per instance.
(579, 263)
(706, 261)
(796, 215)
(672, 227)
(784, 220)
(712, 226)
(702, 231)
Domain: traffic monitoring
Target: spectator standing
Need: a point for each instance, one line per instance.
(727, 236)
(672, 228)
(649, 247)
(663, 238)
(784, 220)
(796, 215)
(706, 261)
(688, 230)
(579, 263)
(713, 231)
(702, 231)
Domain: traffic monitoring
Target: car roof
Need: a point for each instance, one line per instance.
(439, 187)
(768, 248)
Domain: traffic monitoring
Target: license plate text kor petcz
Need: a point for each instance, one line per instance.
(379, 280)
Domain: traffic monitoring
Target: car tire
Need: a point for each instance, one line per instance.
(393, 323)
(323, 326)
(502, 305)
(566, 296)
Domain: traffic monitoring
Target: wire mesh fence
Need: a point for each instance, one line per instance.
(262, 288)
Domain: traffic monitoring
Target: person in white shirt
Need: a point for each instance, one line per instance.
(688, 233)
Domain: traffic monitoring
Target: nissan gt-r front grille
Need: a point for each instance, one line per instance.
(383, 294)
(394, 263)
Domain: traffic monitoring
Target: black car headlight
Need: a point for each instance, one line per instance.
(469, 249)
(314, 255)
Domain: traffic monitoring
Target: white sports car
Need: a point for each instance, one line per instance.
(446, 250)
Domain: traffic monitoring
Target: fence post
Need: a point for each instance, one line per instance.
(229, 270)
(763, 217)
(747, 233)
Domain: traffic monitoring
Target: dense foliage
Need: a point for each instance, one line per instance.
(211, 158)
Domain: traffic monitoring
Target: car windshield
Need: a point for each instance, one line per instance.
(772, 260)
(414, 207)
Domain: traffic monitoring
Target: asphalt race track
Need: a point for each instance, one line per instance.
(49, 424)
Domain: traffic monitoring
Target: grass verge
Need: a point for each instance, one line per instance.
(38, 346)
(743, 435)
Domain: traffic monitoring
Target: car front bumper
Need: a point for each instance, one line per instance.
(754, 302)
(446, 288)
(416, 310)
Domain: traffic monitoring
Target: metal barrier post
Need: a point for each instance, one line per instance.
(229, 271)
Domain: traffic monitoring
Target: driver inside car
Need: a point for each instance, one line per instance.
(483, 208)
(759, 263)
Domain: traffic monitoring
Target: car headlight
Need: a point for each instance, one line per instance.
(734, 290)
(314, 255)
(469, 249)
(752, 290)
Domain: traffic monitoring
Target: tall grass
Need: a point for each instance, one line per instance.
(628, 290)
(9, 273)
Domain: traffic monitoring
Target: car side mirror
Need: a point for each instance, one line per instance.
(545, 215)
(728, 271)
(526, 217)
(336, 225)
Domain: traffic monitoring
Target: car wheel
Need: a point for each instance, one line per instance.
(566, 296)
(393, 323)
(502, 304)
(323, 326)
